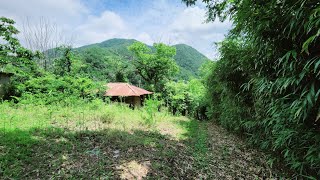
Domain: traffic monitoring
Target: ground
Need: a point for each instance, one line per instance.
(105, 141)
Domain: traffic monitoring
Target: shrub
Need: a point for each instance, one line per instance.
(268, 77)
(186, 98)
(52, 89)
(107, 117)
(277, 109)
(151, 107)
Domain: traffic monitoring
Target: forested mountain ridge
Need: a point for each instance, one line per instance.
(187, 58)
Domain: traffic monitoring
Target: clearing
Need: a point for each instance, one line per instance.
(105, 141)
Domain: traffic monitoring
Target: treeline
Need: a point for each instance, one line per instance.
(62, 80)
(266, 83)
(70, 75)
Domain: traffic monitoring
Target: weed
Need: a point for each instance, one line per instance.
(73, 142)
(151, 107)
(107, 118)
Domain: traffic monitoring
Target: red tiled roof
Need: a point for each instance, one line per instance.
(124, 89)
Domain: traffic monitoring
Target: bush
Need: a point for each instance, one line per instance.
(107, 118)
(151, 107)
(277, 109)
(52, 89)
(186, 98)
(266, 83)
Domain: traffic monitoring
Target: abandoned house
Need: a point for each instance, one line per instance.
(125, 92)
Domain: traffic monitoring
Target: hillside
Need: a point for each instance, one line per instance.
(188, 59)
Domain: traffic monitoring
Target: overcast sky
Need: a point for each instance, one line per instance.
(149, 21)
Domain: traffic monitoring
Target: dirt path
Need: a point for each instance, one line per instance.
(230, 158)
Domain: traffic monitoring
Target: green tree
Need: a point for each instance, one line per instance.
(95, 64)
(11, 51)
(186, 98)
(154, 67)
(118, 69)
(269, 80)
(103, 65)
(15, 58)
(64, 64)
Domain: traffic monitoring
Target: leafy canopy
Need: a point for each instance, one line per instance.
(11, 50)
(95, 58)
(154, 67)
(267, 81)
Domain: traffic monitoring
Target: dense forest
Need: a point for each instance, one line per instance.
(264, 86)
(104, 60)
(266, 83)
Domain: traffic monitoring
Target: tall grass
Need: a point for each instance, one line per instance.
(78, 115)
(83, 136)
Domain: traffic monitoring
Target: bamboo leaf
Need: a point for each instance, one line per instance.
(306, 44)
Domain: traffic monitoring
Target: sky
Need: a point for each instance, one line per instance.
(149, 21)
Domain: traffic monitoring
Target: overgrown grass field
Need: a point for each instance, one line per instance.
(83, 140)
(98, 140)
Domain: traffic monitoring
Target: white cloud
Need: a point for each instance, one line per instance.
(145, 37)
(61, 11)
(65, 15)
(193, 20)
(162, 21)
(189, 27)
(99, 28)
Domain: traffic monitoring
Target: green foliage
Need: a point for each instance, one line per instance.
(53, 89)
(15, 58)
(103, 65)
(176, 97)
(63, 65)
(151, 107)
(119, 47)
(11, 52)
(107, 118)
(186, 98)
(266, 83)
(76, 136)
(189, 61)
(187, 58)
(94, 63)
(154, 67)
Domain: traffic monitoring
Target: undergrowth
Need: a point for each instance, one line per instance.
(83, 139)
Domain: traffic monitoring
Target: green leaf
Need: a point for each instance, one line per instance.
(306, 44)
(294, 54)
(316, 66)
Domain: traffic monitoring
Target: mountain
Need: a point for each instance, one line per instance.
(187, 58)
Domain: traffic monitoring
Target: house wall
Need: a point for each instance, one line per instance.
(137, 101)
(4, 80)
(132, 100)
